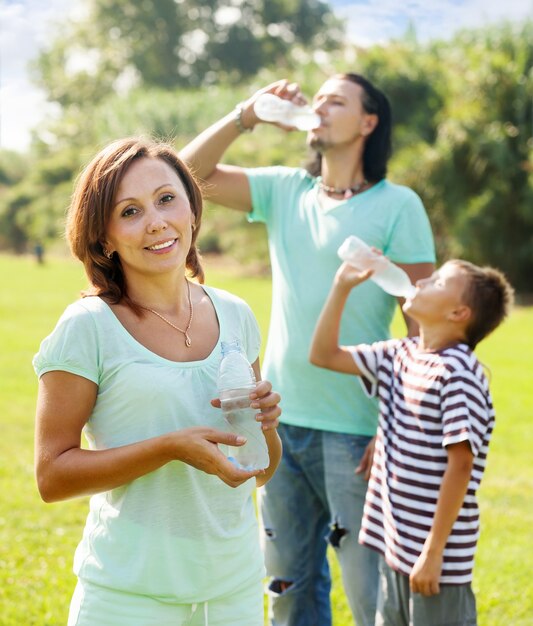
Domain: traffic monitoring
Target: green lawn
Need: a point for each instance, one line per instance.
(37, 541)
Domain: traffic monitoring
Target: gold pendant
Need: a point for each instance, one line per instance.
(187, 340)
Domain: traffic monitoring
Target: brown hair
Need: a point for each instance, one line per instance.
(489, 295)
(93, 201)
(378, 145)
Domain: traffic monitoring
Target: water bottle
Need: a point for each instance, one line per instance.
(235, 382)
(387, 275)
(270, 108)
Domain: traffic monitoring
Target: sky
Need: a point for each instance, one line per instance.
(27, 25)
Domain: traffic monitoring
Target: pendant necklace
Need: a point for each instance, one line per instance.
(185, 332)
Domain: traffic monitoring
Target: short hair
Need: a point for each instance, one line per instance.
(93, 201)
(490, 297)
(378, 145)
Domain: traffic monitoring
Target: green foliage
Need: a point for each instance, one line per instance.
(476, 176)
(169, 43)
(463, 114)
(38, 540)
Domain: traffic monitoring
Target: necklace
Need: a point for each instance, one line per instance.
(345, 193)
(185, 332)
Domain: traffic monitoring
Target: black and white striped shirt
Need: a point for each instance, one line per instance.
(428, 400)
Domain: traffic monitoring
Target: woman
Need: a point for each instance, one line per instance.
(171, 536)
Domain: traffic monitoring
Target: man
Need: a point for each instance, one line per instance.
(308, 214)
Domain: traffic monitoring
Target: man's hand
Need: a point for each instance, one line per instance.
(365, 465)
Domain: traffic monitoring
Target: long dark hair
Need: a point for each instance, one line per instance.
(92, 204)
(378, 146)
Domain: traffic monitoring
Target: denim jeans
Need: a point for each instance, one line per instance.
(314, 498)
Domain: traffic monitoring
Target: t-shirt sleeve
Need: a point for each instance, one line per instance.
(251, 334)
(465, 413)
(272, 189)
(411, 239)
(71, 347)
(368, 358)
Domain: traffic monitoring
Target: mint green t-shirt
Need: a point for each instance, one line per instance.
(303, 242)
(177, 534)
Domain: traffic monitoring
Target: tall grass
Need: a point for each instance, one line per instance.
(37, 541)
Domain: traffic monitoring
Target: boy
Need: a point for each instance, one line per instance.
(436, 418)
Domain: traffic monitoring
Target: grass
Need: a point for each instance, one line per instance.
(37, 541)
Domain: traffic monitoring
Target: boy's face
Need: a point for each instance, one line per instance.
(439, 297)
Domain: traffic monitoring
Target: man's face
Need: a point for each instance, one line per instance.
(343, 119)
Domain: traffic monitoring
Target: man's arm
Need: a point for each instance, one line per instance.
(415, 271)
(426, 572)
(225, 184)
(325, 350)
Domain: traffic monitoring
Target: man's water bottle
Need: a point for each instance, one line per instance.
(236, 380)
(270, 108)
(387, 275)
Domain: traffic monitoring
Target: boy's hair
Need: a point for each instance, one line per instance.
(489, 296)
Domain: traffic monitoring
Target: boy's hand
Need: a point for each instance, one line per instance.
(348, 276)
(425, 575)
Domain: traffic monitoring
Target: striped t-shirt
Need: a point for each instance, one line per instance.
(428, 400)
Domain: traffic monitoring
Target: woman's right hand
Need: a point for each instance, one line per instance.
(198, 447)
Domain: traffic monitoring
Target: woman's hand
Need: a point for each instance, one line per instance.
(266, 401)
(198, 447)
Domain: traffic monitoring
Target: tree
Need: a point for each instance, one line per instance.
(171, 43)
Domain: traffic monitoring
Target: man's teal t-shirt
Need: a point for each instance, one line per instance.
(303, 243)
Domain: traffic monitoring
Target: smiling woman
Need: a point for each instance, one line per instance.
(170, 516)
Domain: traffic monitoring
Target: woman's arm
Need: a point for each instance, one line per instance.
(65, 470)
(267, 401)
(325, 350)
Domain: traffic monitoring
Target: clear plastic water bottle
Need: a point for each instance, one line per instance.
(236, 380)
(387, 275)
(270, 108)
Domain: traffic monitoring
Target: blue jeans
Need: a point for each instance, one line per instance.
(315, 497)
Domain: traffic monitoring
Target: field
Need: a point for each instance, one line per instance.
(37, 541)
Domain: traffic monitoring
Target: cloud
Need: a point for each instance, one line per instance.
(377, 21)
(25, 27)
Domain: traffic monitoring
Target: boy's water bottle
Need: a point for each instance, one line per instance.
(388, 276)
(235, 382)
(270, 108)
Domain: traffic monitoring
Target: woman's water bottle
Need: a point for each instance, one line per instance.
(235, 382)
(270, 108)
(387, 275)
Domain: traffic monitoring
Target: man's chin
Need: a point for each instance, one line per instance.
(317, 144)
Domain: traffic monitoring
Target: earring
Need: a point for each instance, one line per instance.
(107, 254)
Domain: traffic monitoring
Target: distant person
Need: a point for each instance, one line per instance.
(436, 420)
(171, 536)
(38, 251)
(328, 423)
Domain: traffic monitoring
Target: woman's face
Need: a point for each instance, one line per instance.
(150, 226)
